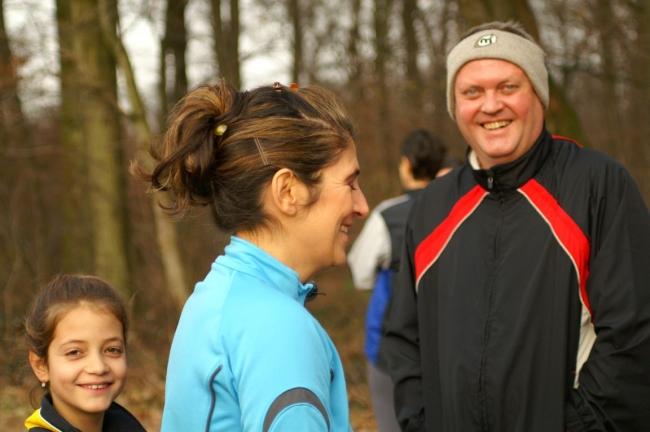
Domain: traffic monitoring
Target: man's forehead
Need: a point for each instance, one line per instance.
(497, 68)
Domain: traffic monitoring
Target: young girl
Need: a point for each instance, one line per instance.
(279, 167)
(76, 334)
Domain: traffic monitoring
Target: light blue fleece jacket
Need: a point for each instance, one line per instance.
(248, 356)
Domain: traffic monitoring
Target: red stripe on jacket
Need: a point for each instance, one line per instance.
(429, 250)
(566, 231)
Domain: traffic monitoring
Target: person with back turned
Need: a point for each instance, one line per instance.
(375, 257)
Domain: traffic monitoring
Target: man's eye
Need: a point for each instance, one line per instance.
(470, 92)
(510, 88)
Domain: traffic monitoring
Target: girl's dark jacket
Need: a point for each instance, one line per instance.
(46, 418)
(523, 301)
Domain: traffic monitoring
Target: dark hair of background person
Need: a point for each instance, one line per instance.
(222, 146)
(426, 153)
(62, 294)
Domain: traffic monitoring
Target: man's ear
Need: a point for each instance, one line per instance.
(39, 367)
(287, 192)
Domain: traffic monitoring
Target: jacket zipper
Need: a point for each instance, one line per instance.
(490, 286)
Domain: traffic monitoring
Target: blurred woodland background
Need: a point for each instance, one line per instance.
(69, 127)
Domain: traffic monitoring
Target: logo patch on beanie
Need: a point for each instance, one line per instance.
(486, 40)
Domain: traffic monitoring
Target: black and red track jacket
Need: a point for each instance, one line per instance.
(523, 301)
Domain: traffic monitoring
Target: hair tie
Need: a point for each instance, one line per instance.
(220, 129)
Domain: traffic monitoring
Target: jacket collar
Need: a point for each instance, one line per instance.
(511, 175)
(46, 418)
(246, 257)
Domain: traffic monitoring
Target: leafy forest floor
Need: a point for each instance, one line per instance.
(341, 311)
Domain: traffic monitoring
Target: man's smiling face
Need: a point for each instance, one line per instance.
(497, 110)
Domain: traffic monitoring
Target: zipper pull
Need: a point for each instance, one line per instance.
(490, 182)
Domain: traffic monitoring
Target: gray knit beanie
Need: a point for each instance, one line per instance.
(501, 45)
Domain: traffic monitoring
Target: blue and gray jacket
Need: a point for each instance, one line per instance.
(248, 356)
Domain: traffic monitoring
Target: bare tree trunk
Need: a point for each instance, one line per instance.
(295, 17)
(437, 47)
(385, 136)
(165, 230)
(75, 207)
(606, 29)
(413, 83)
(226, 41)
(640, 95)
(101, 135)
(355, 61)
(173, 85)
(13, 126)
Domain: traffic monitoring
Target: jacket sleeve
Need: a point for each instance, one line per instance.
(400, 345)
(613, 392)
(370, 252)
(284, 376)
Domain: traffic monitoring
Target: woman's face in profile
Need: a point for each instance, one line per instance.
(324, 226)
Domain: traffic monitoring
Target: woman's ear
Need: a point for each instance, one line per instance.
(39, 366)
(287, 192)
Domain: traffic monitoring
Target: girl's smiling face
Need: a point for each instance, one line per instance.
(85, 365)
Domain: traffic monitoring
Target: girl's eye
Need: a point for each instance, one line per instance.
(115, 350)
(73, 353)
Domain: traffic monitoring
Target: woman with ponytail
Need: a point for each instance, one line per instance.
(278, 166)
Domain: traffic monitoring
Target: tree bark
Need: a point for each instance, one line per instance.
(385, 134)
(13, 125)
(226, 41)
(355, 74)
(75, 207)
(173, 268)
(173, 85)
(637, 112)
(295, 17)
(413, 81)
(101, 138)
(608, 77)
(437, 47)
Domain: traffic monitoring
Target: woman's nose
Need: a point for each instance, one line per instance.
(361, 205)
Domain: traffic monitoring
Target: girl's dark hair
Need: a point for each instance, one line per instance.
(425, 152)
(222, 146)
(58, 297)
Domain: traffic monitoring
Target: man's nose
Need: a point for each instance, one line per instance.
(492, 102)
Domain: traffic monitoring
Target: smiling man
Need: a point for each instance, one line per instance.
(523, 300)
